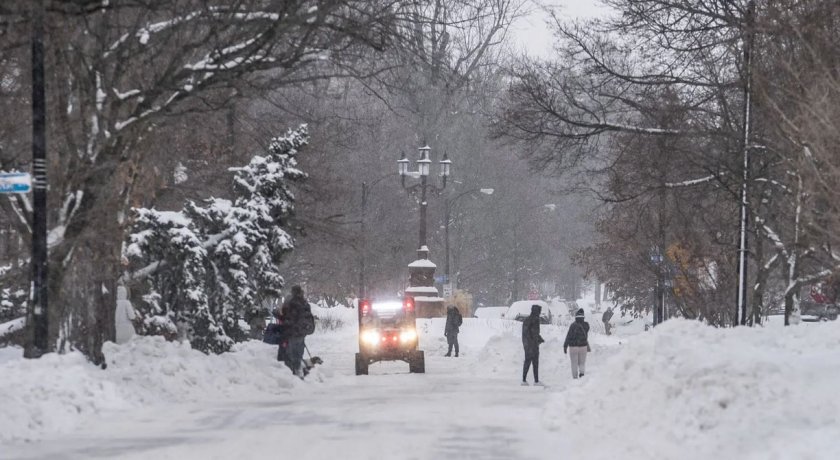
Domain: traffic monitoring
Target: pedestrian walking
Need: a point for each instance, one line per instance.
(531, 340)
(297, 318)
(453, 324)
(577, 344)
(606, 317)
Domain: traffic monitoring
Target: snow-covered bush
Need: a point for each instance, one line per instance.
(215, 262)
(12, 303)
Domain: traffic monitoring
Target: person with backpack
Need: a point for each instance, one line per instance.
(531, 340)
(299, 322)
(607, 316)
(577, 344)
(450, 331)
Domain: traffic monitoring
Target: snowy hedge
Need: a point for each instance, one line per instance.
(213, 263)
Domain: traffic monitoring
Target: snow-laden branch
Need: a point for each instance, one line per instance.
(144, 34)
(805, 280)
(641, 130)
(775, 239)
(771, 262)
(689, 183)
(153, 267)
(22, 199)
(773, 182)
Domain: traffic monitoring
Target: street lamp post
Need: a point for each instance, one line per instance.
(448, 217)
(422, 172)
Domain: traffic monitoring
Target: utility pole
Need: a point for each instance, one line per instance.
(37, 318)
(446, 218)
(362, 281)
(743, 244)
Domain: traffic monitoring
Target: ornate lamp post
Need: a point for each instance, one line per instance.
(422, 271)
(422, 173)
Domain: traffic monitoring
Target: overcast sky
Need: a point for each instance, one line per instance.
(531, 33)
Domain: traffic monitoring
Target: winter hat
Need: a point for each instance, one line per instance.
(536, 309)
(297, 291)
(579, 313)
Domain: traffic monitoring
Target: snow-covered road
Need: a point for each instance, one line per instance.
(460, 408)
(683, 391)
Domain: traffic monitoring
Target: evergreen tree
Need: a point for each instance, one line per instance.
(217, 261)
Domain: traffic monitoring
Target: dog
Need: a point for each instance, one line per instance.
(310, 363)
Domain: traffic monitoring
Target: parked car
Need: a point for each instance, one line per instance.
(813, 312)
(490, 312)
(521, 309)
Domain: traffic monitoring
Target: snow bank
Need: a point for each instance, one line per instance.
(690, 391)
(12, 326)
(51, 394)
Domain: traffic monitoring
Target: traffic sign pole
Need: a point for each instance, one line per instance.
(38, 339)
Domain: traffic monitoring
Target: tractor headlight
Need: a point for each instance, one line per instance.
(371, 337)
(408, 335)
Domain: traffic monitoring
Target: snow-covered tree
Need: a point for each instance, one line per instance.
(208, 267)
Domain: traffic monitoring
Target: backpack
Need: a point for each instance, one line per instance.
(307, 320)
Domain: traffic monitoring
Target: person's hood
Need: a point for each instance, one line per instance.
(536, 310)
(579, 314)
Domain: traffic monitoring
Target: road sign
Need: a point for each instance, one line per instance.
(17, 182)
(447, 290)
(441, 279)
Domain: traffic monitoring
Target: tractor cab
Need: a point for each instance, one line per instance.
(388, 332)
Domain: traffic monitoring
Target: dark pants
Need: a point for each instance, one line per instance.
(452, 340)
(531, 358)
(294, 354)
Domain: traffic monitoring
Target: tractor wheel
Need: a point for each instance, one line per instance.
(361, 364)
(417, 362)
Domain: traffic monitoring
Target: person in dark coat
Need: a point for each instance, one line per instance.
(531, 341)
(606, 317)
(453, 323)
(577, 344)
(293, 314)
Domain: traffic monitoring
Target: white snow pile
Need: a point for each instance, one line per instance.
(51, 394)
(690, 391)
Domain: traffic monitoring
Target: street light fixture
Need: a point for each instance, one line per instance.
(423, 171)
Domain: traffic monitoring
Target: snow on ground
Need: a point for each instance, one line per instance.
(51, 394)
(682, 391)
(689, 391)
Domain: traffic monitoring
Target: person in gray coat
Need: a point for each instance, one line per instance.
(577, 344)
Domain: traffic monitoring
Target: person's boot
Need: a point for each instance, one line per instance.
(581, 374)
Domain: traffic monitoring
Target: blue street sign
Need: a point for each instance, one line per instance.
(17, 182)
(441, 279)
